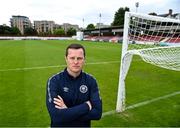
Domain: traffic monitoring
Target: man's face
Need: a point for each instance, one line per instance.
(75, 60)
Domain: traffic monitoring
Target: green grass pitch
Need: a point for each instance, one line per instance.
(26, 65)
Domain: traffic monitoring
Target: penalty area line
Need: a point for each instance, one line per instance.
(143, 103)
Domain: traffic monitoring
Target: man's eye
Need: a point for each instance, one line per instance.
(72, 58)
(79, 58)
(76, 58)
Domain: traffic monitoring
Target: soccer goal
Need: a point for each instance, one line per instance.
(155, 39)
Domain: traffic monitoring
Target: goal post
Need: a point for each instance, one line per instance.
(155, 39)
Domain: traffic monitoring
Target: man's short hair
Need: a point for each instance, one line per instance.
(75, 46)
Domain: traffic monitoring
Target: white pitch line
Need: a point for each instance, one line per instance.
(143, 103)
(30, 68)
(55, 66)
(153, 100)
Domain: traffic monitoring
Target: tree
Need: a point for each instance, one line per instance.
(71, 32)
(119, 17)
(15, 31)
(1, 29)
(5, 30)
(59, 32)
(90, 26)
(30, 32)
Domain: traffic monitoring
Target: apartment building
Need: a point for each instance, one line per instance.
(67, 26)
(21, 22)
(44, 26)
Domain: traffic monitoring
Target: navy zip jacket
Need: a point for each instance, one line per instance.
(75, 92)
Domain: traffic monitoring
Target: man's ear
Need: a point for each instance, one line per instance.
(84, 60)
(65, 58)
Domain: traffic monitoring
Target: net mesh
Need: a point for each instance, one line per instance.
(156, 40)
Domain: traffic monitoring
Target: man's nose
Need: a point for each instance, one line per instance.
(75, 60)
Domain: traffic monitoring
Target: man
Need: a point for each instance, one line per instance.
(72, 95)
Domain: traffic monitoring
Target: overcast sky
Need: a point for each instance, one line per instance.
(73, 11)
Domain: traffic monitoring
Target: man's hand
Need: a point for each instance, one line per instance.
(59, 103)
(89, 104)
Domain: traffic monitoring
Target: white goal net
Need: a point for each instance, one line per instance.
(155, 39)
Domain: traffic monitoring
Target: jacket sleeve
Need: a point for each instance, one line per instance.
(96, 102)
(62, 115)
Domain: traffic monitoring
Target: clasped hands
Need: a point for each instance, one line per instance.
(59, 103)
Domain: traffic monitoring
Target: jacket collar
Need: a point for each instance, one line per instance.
(71, 77)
